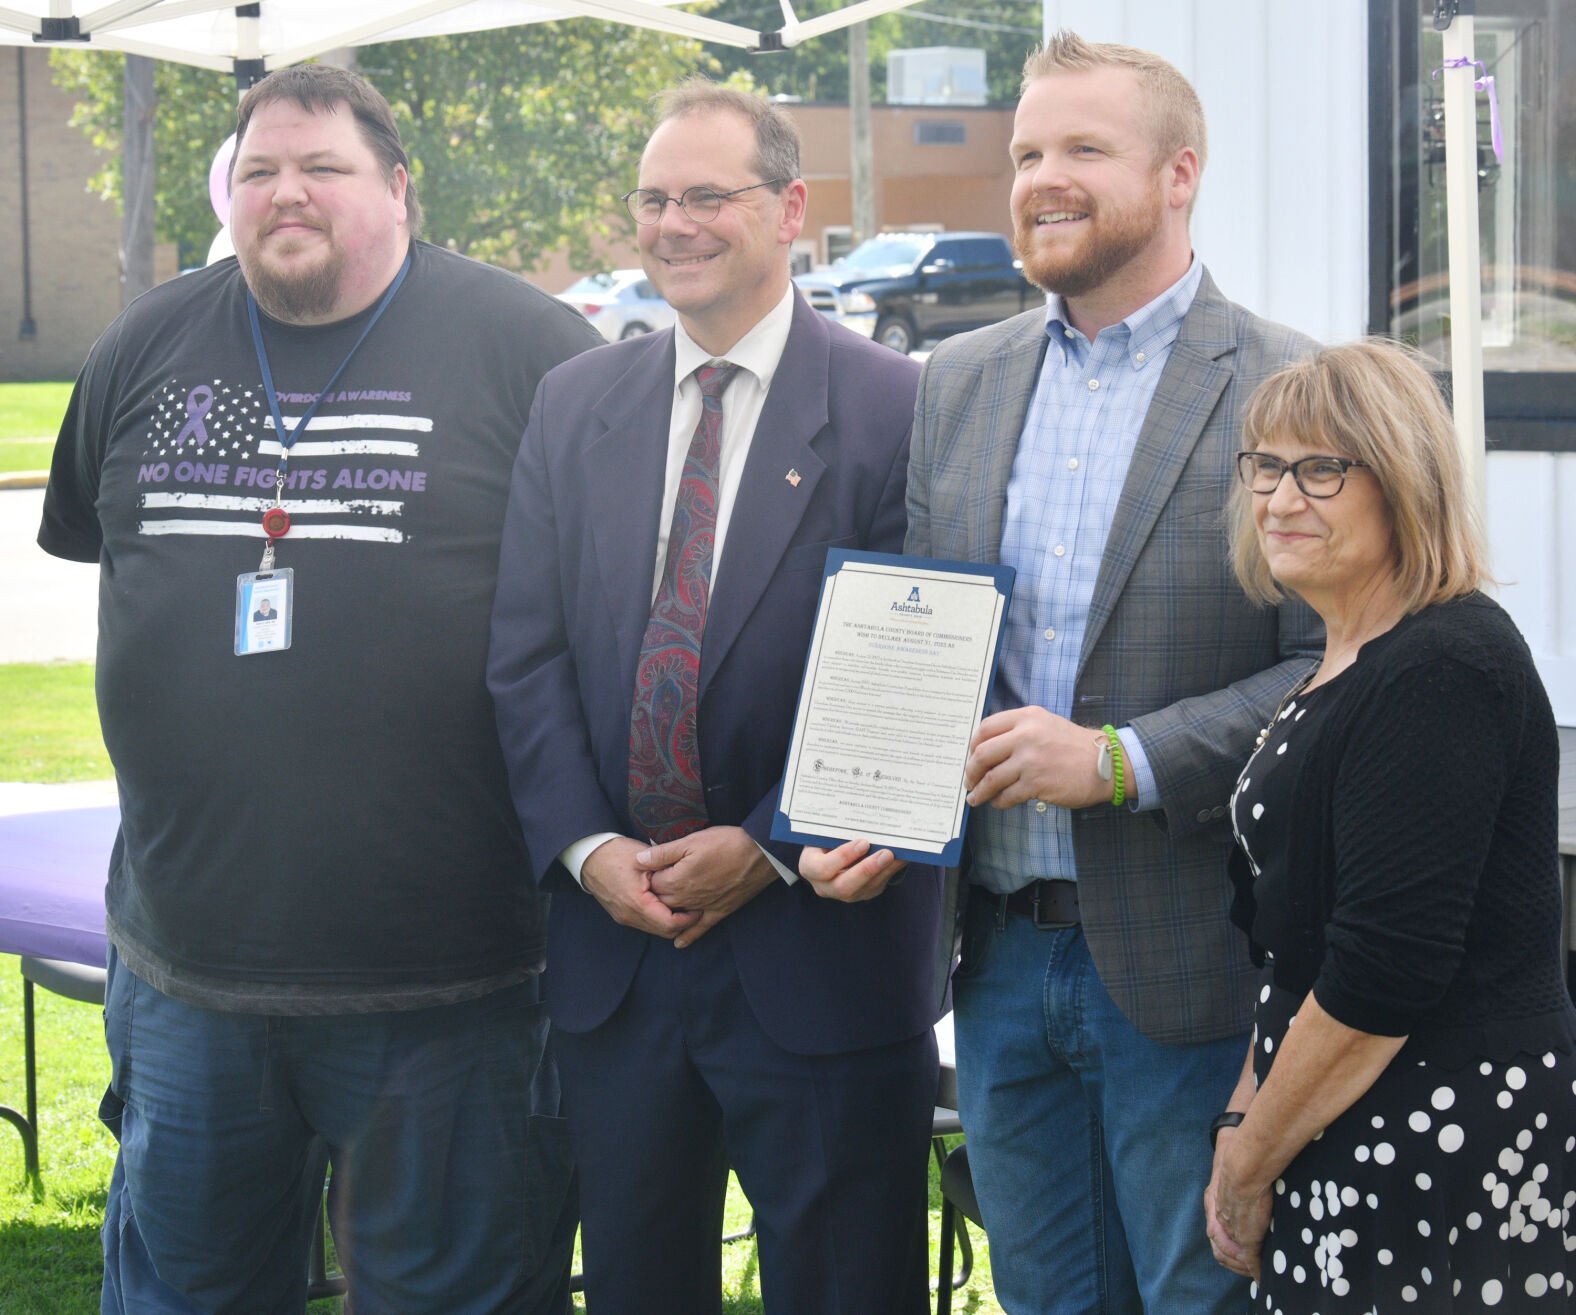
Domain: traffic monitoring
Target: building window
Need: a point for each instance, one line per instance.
(839, 239)
(1528, 256)
(935, 133)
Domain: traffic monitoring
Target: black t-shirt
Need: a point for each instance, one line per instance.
(332, 820)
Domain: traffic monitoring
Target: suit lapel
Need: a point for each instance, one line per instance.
(1196, 374)
(1009, 375)
(768, 508)
(625, 465)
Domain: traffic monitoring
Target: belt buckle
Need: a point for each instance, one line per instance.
(1034, 908)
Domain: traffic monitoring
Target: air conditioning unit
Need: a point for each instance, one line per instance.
(936, 75)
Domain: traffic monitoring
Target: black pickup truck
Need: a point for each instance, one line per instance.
(905, 288)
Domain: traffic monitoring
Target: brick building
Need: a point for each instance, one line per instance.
(60, 281)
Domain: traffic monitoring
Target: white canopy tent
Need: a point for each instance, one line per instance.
(254, 39)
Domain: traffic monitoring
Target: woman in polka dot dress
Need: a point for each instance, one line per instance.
(1403, 1136)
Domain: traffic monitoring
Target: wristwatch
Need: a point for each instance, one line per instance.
(1230, 1119)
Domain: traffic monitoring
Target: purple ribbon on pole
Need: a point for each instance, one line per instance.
(1483, 83)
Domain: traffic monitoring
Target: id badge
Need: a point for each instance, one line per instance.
(264, 601)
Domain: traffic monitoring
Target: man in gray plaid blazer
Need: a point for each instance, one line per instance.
(1103, 999)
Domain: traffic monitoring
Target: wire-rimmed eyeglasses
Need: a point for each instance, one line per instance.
(701, 204)
(1317, 477)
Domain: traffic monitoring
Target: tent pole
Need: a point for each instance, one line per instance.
(1465, 251)
(249, 67)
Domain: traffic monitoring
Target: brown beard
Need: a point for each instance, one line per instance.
(1124, 237)
(300, 297)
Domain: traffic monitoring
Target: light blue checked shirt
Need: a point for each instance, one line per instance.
(1077, 443)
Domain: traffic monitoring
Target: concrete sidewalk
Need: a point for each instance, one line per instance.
(49, 607)
(18, 797)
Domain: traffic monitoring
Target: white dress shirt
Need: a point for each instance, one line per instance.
(757, 355)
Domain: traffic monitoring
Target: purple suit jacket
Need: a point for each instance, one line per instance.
(574, 595)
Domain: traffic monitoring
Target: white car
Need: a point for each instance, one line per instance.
(622, 303)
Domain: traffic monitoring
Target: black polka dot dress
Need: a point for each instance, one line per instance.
(1442, 1189)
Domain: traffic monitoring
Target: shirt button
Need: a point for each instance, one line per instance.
(1068, 332)
(1072, 463)
(1060, 550)
(1050, 633)
(1140, 357)
(1039, 805)
(1094, 385)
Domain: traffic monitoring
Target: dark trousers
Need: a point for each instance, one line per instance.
(831, 1150)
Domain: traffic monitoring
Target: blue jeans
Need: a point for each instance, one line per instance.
(452, 1185)
(1088, 1142)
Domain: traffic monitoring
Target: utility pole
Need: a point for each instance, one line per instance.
(861, 172)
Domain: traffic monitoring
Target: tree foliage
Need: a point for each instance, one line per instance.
(521, 140)
(196, 112)
(818, 70)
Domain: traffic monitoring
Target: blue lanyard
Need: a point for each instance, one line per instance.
(287, 438)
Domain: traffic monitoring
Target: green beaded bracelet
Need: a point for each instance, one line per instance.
(1118, 777)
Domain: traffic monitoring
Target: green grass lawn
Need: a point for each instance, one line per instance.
(32, 410)
(49, 728)
(30, 416)
(24, 454)
(49, 1247)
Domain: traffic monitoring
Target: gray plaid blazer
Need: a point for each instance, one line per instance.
(1173, 648)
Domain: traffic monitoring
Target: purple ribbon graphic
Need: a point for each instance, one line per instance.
(198, 403)
(1483, 83)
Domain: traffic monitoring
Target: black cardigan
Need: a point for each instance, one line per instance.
(1423, 865)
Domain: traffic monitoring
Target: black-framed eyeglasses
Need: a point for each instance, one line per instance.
(1317, 477)
(701, 204)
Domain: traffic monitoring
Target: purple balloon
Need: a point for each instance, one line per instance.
(219, 180)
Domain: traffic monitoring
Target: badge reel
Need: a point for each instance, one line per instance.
(265, 598)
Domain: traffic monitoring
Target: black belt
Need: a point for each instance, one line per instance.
(1049, 904)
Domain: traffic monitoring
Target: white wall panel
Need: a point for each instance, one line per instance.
(1531, 521)
(1282, 221)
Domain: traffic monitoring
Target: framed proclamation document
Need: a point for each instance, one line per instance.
(900, 666)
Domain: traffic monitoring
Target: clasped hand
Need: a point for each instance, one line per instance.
(682, 889)
(1236, 1221)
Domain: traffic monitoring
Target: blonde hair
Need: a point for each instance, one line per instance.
(1374, 401)
(1176, 118)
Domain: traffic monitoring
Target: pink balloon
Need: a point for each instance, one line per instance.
(219, 179)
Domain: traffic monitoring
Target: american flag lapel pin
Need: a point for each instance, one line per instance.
(793, 477)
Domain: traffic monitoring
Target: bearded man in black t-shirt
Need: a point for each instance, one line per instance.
(324, 923)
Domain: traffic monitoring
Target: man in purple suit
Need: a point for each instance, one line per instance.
(670, 515)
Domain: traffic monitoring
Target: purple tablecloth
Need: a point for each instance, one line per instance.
(52, 874)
